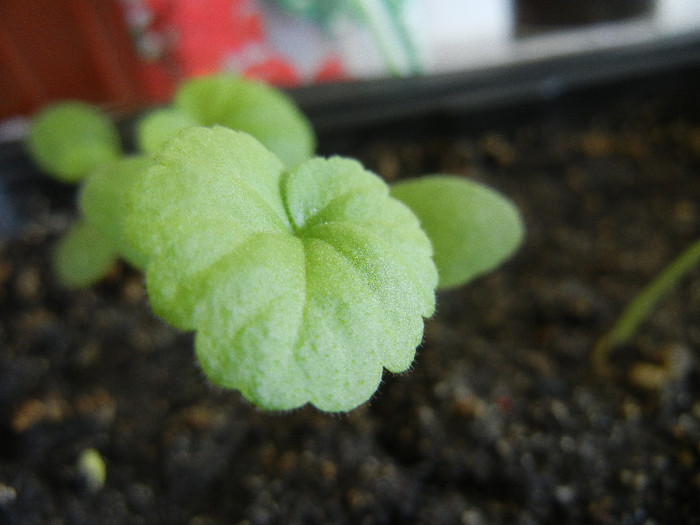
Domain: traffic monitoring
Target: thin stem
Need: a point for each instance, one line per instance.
(642, 305)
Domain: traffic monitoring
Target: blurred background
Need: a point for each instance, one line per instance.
(128, 54)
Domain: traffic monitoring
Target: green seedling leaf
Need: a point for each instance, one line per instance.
(473, 228)
(302, 284)
(70, 139)
(160, 125)
(83, 256)
(246, 105)
(102, 202)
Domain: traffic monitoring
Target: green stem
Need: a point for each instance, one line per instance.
(642, 305)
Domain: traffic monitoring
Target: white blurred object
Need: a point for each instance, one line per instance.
(468, 21)
(14, 129)
(467, 32)
(472, 34)
(381, 38)
(678, 15)
(387, 41)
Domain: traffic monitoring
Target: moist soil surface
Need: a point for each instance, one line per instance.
(502, 419)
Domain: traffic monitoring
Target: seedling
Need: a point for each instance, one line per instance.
(238, 103)
(643, 305)
(76, 142)
(70, 141)
(303, 281)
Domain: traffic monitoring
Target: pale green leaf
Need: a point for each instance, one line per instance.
(472, 227)
(159, 125)
(209, 189)
(83, 256)
(70, 139)
(250, 321)
(102, 200)
(250, 106)
(298, 293)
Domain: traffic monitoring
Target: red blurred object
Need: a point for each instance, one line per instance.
(208, 29)
(274, 71)
(179, 39)
(77, 49)
(126, 54)
(331, 70)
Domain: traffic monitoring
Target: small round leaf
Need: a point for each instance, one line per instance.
(70, 139)
(102, 200)
(250, 106)
(472, 227)
(160, 125)
(83, 256)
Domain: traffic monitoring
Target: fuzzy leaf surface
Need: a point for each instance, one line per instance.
(302, 284)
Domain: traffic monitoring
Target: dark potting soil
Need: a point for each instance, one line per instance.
(502, 418)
